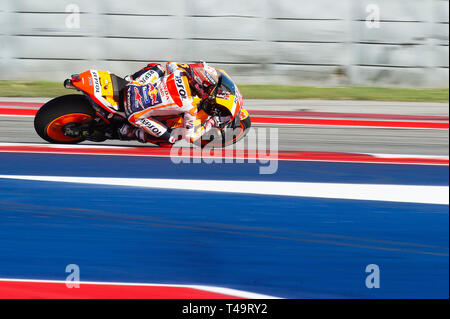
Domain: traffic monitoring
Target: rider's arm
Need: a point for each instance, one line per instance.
(191, 133)
(149, 74)
(174, 66)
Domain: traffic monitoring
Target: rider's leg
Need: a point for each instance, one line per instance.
(137, 114)
(152, 127)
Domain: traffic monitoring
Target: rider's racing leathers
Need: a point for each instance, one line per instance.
(158, 90)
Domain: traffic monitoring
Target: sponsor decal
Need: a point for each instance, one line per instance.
(97, 86)
(138, 97)
(165, 91)
(147, 76)
(90, 81)
(151, 95)
(128, 104)
(149, 126)
(145, 90)
(180, 87)
(223, 95)
(154, 95)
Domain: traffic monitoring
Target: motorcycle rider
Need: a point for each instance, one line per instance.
(158, 91)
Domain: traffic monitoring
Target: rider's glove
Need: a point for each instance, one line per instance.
(210, 123)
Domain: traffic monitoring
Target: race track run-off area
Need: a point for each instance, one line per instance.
(134, 222)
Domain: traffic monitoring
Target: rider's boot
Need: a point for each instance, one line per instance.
(158, 141)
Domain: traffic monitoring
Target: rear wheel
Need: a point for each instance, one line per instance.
(63, 111)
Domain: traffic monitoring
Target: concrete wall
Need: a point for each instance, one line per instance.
(321, 42)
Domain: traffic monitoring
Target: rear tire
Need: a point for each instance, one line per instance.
(62, 110)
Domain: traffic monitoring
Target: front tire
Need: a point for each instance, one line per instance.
(228, 137)
(55, 114)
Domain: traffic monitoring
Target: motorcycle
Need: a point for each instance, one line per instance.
(98, 113)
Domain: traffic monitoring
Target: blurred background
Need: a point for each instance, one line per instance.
(372, 110)
(403, 43)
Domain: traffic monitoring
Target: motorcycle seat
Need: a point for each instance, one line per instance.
(119, 85)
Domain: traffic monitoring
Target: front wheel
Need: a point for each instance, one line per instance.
(65, 110)
(227, 136)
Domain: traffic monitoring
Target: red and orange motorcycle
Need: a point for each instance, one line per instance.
(97, 114)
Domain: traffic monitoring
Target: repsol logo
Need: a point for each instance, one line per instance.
(150, 127)
(96, 82)
(180, 87)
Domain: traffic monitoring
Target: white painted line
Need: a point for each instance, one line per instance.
(219, 290)
(373, 192)
(14, 115)
(408, 156)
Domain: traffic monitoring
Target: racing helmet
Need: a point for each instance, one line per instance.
(204, 78)
(225, 102)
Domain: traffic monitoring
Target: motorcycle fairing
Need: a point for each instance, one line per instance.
(99, 86)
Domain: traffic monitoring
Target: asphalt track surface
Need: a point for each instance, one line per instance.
(311, 137)
(299, 246)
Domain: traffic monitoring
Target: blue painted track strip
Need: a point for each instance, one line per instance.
(282, 246)
(118, 166)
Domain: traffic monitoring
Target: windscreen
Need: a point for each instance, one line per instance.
(226, 86)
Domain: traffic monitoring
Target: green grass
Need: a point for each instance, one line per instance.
(51, 89)
(32, 89)
(344, 93)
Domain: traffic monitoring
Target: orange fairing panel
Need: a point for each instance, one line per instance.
(99, 86)
(84, 82)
